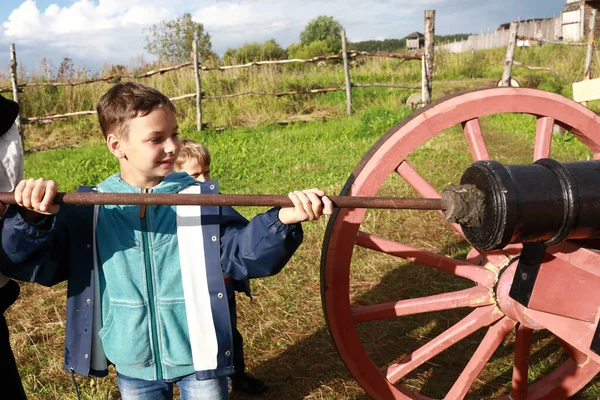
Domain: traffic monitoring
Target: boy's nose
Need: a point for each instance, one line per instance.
(171, 146)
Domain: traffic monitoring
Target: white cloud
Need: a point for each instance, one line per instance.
(85, 30)
(224, 15)
(82, 16)
(23, 20)
(98, 31)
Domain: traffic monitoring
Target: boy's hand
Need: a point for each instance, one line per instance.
(37, 195)
(309, 205)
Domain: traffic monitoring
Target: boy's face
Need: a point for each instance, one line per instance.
(196, 170)
(148, 155)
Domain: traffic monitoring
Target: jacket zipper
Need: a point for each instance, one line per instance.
(150, 287)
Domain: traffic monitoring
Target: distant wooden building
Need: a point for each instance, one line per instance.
(576, 19)
(415, 41)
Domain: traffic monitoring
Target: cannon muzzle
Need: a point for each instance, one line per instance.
(546, 201)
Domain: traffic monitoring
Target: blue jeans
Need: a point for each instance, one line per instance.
(189, 387)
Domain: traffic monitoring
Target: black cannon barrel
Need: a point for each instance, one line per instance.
(546, 201)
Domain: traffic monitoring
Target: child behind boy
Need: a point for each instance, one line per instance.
(145, 283)
(194, 158)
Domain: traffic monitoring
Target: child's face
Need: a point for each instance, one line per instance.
(196, 170)
(148, 155)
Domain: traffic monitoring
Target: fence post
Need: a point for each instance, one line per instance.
(429, 53)
(347, 75)
(423, 81)
(510, 54)
(581, 19)
(587, 70)
(198, 86)
(15, 88)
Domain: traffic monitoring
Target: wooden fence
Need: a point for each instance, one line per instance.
(541, 30)
(510, 54)
(426, 57)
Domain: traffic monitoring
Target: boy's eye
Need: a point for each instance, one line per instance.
(155, 140)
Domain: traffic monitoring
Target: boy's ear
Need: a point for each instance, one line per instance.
(114, 145)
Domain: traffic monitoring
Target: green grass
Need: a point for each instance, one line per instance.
(266, 159)
(287, 342)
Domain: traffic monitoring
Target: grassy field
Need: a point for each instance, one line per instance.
(287, 342)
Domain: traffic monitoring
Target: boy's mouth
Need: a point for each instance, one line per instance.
(168, 162)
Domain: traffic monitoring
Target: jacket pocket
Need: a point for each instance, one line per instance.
(174, 333)
(126, 336)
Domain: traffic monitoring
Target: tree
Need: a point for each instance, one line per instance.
(271, 50)
(313, 49)
(172, 40)
(254, 51)
(323, 28)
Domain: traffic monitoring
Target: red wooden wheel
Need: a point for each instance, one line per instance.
(490, 273)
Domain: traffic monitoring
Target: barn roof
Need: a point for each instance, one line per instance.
(415, 35)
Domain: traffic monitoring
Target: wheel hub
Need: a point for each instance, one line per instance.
(507, 305)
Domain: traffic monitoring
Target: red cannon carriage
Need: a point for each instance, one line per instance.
(551, 284)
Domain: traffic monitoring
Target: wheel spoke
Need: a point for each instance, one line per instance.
(422, 186)
(472, 297)
(493, 338)
(460, 268)
(472, 129)
(543, 137)
(475, 320)
(521, 366)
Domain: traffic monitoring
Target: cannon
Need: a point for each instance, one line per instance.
(531, 265)
(549, 284)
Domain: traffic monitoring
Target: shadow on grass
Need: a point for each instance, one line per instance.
(312, 367)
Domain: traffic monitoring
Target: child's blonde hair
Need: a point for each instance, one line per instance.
(190, 150)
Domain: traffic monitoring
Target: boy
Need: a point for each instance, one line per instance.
(11, 172)
(146, 282)
(194, 158)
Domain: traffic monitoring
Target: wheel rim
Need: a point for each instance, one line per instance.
(387, 157)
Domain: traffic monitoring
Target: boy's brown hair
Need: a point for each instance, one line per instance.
(190, 149)
(126, 101)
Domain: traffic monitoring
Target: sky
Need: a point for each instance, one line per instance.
(96, 32)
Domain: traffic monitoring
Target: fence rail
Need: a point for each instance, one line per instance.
(116, 78)
(345, 56)
(520, 37)
(534, 68)
(51, 118)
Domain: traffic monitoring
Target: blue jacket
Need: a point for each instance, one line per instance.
(62, 248)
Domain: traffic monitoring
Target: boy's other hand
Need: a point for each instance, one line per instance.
(37, 195)
(309, 205)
